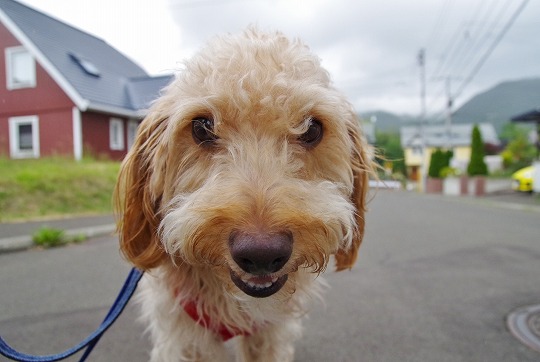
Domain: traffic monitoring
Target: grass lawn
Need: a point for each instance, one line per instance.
(50, 187)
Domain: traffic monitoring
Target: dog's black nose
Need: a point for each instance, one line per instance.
(261, 253)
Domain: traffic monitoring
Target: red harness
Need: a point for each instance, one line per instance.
(204, 320)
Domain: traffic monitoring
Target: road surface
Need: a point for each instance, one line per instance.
(435, 280)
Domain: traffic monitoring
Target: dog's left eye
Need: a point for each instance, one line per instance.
(202, 129)
(313, 135)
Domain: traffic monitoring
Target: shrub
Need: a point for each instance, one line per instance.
(435, 164)
(518, 153)
(449, 172)
(477, 165)
(439, 160)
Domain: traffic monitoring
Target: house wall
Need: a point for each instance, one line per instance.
(4, 137)
(412, 158)
(56, 133)
(96, 136)
(461, 158)
(46, 100)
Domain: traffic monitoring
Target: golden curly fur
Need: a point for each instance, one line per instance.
(248, 147)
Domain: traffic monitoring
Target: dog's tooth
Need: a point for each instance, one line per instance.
(259, 282)
(258, 286)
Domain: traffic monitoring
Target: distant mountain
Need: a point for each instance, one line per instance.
(500, 103)
(496, 105)
(386, 121)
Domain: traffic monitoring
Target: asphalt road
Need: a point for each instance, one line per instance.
(435, 280)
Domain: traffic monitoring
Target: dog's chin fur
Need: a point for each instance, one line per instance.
(181, 201)
(273, 321)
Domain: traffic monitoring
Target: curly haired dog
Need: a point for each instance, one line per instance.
(247, 175)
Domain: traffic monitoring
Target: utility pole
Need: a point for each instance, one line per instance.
(422, 65)
(449, 114)
(449, 105)
(423, 163)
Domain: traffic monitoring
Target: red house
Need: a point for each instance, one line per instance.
(64, 91)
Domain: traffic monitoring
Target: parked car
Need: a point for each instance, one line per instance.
(522, 180)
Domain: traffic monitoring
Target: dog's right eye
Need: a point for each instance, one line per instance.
(313, 135)
(202, 129)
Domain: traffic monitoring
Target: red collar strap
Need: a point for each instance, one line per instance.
(204, 320)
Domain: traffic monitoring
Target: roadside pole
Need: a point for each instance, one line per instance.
(536, 176)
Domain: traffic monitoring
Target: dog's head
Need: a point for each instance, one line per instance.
(250, 163)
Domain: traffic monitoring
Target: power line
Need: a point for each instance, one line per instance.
(479, 38)
(490, 50)
(452, 50)
(455, 42)
(457, 62)
(459, 44)
(439, 24)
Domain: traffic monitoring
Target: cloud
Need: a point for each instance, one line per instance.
(369, 47)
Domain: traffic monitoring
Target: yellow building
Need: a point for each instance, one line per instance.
(419, 142)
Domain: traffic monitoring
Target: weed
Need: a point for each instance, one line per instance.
(49, 237)
(78, 238)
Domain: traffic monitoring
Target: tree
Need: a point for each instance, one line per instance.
(519, 152)
(477, 165)
(389, 147)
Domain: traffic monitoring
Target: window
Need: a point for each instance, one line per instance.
(116, 134)
(132, 132)
(87, 66)
(417, 150)
(20, 68)
(24, 137)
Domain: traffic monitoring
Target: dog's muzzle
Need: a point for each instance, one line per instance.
(261, 256)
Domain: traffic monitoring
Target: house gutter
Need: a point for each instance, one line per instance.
(119, 111)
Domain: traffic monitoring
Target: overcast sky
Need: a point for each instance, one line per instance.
(370, 47)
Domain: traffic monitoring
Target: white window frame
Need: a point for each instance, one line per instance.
(11, 83)
(116, 134)
(14, 137)
(132, 132)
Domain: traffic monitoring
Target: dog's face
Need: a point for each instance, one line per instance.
(250, 164)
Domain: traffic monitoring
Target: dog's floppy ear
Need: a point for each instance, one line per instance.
(137, 206)
(361, 167)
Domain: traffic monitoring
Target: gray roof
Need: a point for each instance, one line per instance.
(138, 90)
(98, 75)
(438, 135)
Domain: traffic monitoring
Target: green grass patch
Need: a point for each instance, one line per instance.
(51, 187)
(51, 237)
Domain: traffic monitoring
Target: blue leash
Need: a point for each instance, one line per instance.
(90, 342)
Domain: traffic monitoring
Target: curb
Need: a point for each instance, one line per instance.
(18, 243)
(486, 201)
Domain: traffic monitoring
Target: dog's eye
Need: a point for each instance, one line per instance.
(313, 135)
(202, 129)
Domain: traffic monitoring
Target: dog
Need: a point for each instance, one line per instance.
(247, 176)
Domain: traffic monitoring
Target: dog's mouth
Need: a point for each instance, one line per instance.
(259, 286)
